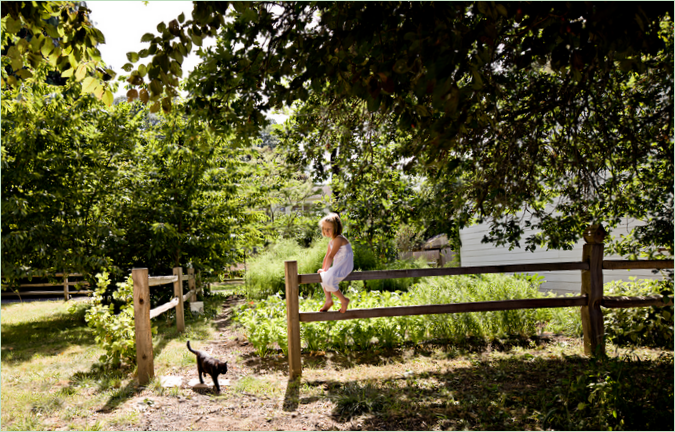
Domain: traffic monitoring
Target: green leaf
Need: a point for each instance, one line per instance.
(502, 10)
(108, 98)
(47, 47)
(132, 57)
(13, 26)
(181, 18)
(13, 53)
(88, 84)
(81, 72)
(156, 87)
(148, 37)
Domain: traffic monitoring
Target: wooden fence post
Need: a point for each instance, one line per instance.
(192, 284)
(66, 294)
(144, 358)
(293, 317)
(591, 285)
(178, 292)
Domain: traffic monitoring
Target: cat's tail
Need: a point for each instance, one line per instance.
(188, 346)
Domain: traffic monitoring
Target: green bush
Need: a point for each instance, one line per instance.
(615, 394)
(364, 258)
(264, 324)
(565, 321)
(466, 289)
(645, 326)
(265, 273)
(115, 333)
(402, 284)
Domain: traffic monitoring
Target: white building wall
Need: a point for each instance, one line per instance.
(475, 253)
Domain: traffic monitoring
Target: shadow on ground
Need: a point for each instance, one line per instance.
(521, 392)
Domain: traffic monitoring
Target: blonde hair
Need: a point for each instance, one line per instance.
(334, 220)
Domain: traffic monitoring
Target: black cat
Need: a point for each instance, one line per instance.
(209, 365)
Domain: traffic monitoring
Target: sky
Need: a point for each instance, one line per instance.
(124, 23)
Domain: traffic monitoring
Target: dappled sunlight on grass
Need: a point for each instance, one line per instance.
(477, 391)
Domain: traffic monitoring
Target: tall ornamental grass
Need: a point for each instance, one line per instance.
(265, 273)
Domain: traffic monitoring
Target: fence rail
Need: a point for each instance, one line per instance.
(66, 284)
(143, 314)
(452, 271)
(590, 301)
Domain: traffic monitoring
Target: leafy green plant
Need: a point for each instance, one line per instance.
(402, 284)
(264, 322)
(646, 326)
(612, 395)
(115, 333)
(565, 321)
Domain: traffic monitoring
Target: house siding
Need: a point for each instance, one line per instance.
(475, 253)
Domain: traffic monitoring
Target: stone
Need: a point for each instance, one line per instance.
(171, 381)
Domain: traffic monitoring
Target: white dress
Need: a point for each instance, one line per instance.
(343, 264)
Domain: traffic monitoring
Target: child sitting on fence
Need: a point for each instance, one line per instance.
(341, 256)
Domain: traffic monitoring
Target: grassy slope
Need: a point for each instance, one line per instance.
(50, 378)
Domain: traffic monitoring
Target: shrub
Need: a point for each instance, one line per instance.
(565, 320)
(115, 333)
(466, 289)
(264, 323)
(265, 273)
(646, 326)
(615, 394)
(364, 258)
(402, 284)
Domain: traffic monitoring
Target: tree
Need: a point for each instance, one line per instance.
(60, 159)
(58, 34)
(358, 153)
(447, 75)
(85, 187)
(527, 104)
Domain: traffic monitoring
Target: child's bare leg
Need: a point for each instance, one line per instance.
(344, 301)
(329, 302)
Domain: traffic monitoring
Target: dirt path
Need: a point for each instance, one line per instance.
(236, 407)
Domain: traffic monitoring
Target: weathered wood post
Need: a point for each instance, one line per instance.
(192, 285)
(293, 317)
(591, 285)
(66, 294)
(144, 358)
(178, 292)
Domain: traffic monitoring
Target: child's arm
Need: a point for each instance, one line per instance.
(326, 264)
(328, 260)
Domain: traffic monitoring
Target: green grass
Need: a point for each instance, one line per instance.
(50, 374)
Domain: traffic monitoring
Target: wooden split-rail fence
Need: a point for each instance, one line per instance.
(590, 300)
(67, 283)
(143, 314)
